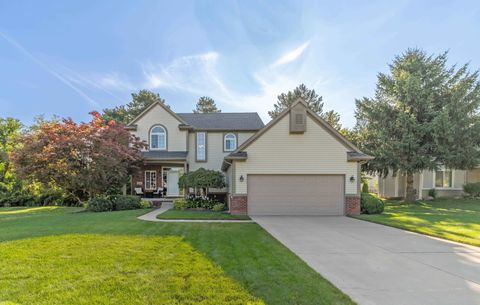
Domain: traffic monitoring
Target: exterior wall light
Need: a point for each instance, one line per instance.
(241, 178)
(352, 179)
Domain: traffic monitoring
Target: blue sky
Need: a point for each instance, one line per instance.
(68, 58)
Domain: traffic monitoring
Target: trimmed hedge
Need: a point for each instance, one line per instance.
(127, 202)
(100, 205)
(370, 204)
(197, 203)
(117, 203)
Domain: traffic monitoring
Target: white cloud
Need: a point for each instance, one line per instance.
(291, 55)
(195, 74)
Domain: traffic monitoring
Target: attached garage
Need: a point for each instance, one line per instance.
(296, 165)
(296, 195)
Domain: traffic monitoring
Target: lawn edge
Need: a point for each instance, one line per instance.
(414, 231)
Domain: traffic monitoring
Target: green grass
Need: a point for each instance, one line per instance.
(66, 256)
(109, 269)
(189, 214)
(453, 219)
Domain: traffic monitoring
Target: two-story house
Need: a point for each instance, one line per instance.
(182, 142)
(297, 164)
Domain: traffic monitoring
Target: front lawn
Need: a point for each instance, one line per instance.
(189, 214)
(453, 219)
(67, 256)
(112, 269)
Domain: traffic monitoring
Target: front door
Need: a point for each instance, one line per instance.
(173, 175)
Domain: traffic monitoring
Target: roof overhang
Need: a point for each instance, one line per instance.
(353, 156)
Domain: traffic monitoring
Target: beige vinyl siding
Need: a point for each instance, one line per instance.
(459, 178)
(279, 152)
(215, 154)
(428, 180)
(388, 186)
(176, 139)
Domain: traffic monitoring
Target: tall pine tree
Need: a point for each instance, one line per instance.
(206, 104)
(313, 100)
(126, 113)
(424, 115)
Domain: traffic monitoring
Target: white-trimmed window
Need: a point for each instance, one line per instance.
(158, 138)
(201, 146)
(150, 180)
(229, 142)
(443, 178)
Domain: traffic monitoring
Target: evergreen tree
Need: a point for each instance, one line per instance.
(206, 104)
(424, 115)
(313, 100)
(126, 113)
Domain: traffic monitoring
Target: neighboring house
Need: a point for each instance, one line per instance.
(446, 182)
(295, 165)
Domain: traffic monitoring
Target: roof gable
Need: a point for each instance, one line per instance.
(162, 105)
(321, 122)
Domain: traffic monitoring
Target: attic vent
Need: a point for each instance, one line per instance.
(298, 120)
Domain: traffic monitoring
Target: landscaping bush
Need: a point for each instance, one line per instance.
(370, 204)
(126, 202)
(218, 207)
(100, 204)
(432, 193)
(365, 187)
(472, 189)
(180, 204)
(146, 204)
(17, 200)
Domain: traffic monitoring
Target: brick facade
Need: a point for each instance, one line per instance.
(352, 204)
(238, 204)
(138, 179)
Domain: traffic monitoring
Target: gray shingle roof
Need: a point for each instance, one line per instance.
(223, 121)
(164, 155)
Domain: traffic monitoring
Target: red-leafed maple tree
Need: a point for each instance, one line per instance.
(85, 159)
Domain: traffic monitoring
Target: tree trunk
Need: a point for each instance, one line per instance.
(411, 193)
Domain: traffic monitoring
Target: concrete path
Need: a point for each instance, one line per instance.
(376, 264)
(152, 216)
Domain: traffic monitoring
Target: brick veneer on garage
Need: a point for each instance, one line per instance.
(352, 203)
(238, 204)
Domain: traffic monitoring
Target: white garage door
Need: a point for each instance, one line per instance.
(296, 195)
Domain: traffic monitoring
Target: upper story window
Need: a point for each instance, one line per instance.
(229, 142)
(443, 178)
(158, 137)
(201, 146)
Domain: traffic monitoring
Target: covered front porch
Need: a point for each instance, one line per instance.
(158, 176)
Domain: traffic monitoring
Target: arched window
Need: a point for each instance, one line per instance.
(229, 142)
(158, 137)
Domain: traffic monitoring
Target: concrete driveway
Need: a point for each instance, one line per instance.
(376, 264)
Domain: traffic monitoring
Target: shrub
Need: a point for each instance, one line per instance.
(126, 202)
(100, 204)
(201, 203)
(50, 197)
(218, 207)
(365, 187)
(432, 193)
(146, 204)
(180, 204)
(18, 199)
(472, 189)
(370, 204)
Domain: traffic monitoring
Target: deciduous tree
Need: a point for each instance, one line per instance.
(9, 130)
(84, 159)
